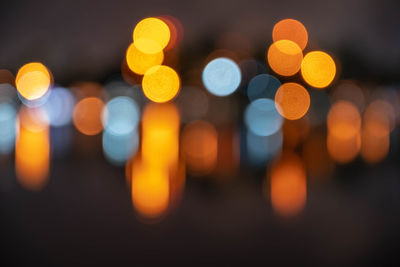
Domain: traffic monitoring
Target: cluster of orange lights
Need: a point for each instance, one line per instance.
(156, 173)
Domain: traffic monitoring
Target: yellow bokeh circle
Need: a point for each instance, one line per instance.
(151, 35)
(33, 80)
(140, 62)
(318, 69)
(160, 84)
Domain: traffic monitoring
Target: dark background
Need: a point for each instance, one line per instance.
(85, 216)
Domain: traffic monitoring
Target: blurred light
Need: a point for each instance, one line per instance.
(262, 118)
(32, 150)
(6, 77)
(36, 102)
(344, 120)
(59, 107)
(33, 80)
(315, 156)
(140, 62)
(120, 116)
(260, 149)
(200, 147)
(288, 185)
(160, 84)
(221, 76)
(343, 150)
(292, 101)
(87, 115)
(349, 91)
(284, 57)
(8, 115)
(151, 35)
(262, 86)
(295, 132)
(290, 29)
(119, 148)
(318, 69)
(228, 157)
(175, 29)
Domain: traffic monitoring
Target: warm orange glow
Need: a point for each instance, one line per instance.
(295, 131)
(87, 115)
(318, 69)
(32, 151)
(139, 62)
(176, 31)
(288, 185)
(151, 35)
(150, 190)
(33, 80)
(344, 120)
(285, 57)
(200, 147)
(290, 29)
(343, 150)
(316, 158)
(160, 84)
(350, 91)
(292, 101)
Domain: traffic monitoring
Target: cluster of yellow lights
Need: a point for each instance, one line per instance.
(33, 80)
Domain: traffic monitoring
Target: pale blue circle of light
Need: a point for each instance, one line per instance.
(262, 118)
(121, 115)
(221, 76)
(119, 148)
(8, 114)
(59, 107)
(262, 86)
(260, 149)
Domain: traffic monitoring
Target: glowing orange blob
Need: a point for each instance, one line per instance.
(33, 80)
(343, 150)
(151, 35)
(288, 185)
(200, 147)
(150, 190)
(344, 120)
(318, 69)
(292, 101)
(139, 62)
(160, 84)
(285, 57)
(32, 151)
(87, 115)
(176, 31)
(290, 29)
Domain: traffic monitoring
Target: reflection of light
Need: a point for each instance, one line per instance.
(344, 120)
(33, 80)
(151, 35)
(200, 147)
(87, 115)
(32, 150)
(59, 107)
(261, 148)
(292, 101)
(7, 127)
(288, 185)
(150, 190)
(290, 29)
(262, 86)
(119, 148)
(140, 62)
(284, 57)
(160, 84)
(262, 118)
(221, 76)
(318, 69)
(120, 116)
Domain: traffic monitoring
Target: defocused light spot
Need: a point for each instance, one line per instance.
(318, 69)
(6, 77)
(120, 116)
(316, 158)
(8, 115)
(343, 150)
(140, 62)
(344, 120)
(59, 107)
(32, 150)
(221, 76)
(33, 80)
(175, 29)
(288, 185)
(290, 29)
(295, 132)
(262, 148)
(200, 147)
(262, 86)
(150, 190)
(284, 57)
(292, 101)
(160, 84)
(119, 148)
(262, 118)
(349, 91)
(151, 35)
(87, 115)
